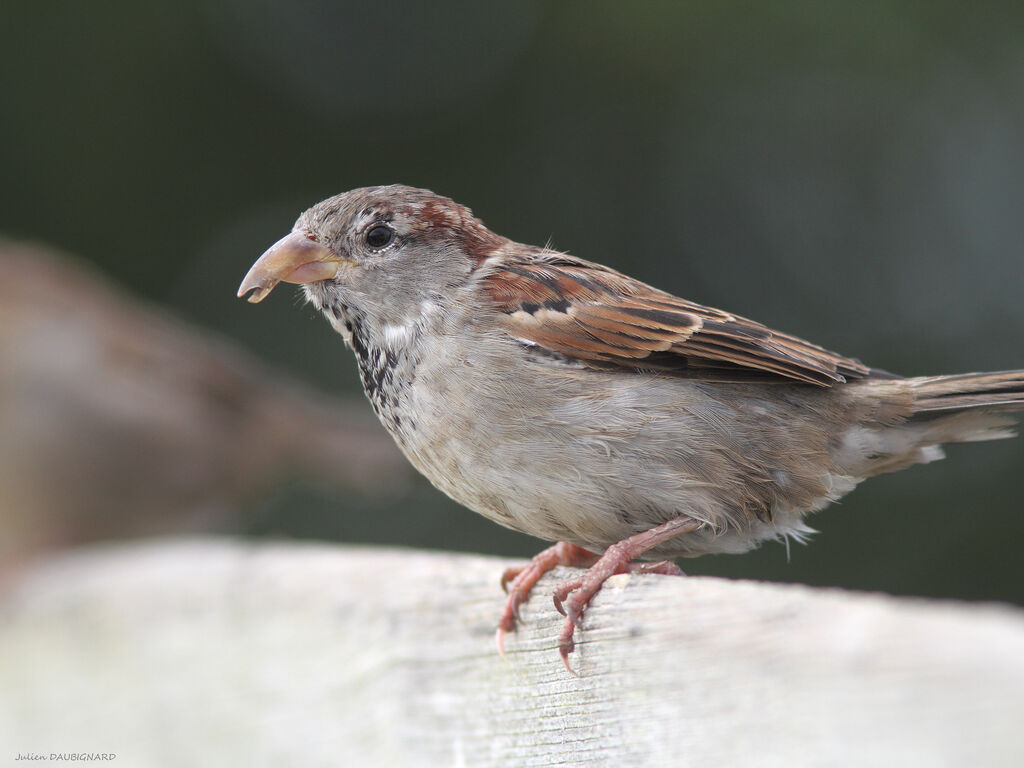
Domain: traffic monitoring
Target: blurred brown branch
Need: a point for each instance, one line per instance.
(117, 419)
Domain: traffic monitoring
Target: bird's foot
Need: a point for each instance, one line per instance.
(573, 596)
(662, 567)
(517, 582)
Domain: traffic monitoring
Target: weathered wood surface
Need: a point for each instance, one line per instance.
(228, 653)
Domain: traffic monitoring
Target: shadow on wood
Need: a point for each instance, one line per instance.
(215, 652)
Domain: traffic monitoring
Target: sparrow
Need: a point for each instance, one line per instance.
(563, 399)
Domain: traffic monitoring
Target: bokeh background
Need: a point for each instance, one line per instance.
(849, 172)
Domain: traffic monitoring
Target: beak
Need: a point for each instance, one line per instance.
(292, 259)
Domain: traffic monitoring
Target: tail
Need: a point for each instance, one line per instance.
(1003, 391)
(964, 408)
(935, 410)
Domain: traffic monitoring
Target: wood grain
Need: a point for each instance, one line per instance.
(219, 652)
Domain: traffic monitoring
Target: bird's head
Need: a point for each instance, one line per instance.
(380, 251)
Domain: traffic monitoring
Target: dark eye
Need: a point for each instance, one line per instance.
(379, 235)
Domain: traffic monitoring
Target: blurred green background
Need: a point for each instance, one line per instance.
(849, 172)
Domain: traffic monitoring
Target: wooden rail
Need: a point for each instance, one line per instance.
(228, 653)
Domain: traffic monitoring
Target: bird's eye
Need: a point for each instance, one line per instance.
(379, 235)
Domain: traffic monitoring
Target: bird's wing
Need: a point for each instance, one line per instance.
(608, 320)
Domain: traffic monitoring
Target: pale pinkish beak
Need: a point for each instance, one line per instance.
(292, 259)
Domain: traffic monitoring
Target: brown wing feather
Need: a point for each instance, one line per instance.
(605, 319)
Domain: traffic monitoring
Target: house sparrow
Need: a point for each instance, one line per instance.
(568, 401)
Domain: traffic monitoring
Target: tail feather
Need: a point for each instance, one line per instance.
(1002, 391)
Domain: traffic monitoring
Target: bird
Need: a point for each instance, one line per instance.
(563, 399)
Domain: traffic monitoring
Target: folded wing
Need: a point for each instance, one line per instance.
(606, 319)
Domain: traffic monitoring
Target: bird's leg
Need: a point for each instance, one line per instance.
(616, 559)
(518, 582)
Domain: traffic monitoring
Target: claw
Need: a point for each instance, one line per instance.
(499, 638)
(567, 645)
(565, 661)
(508, 576)
(563, 592)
